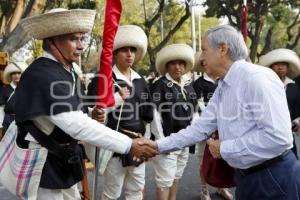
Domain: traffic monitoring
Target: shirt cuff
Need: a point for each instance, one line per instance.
(226, 149)
(128, 148)
(90, 110)
(162, 145)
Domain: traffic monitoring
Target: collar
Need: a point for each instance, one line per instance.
(229, 77)
(207, 78)
(120, 76)
(180, 83)
(287, 80)
(47, 54)
(13, 85)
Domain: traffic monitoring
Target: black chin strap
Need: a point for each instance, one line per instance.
(61, 54)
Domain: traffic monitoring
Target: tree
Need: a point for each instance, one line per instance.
(261, 15)
(146, 14)
(180, 13)
(13, 36)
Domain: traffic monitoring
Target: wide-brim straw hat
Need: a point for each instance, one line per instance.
(59, 21)
(12, 68)
(282, 55)
(197, 65)
(132, 36)
(174, 52)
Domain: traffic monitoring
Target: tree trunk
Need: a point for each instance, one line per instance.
(16, 15)
(15, 40)
(151, 54)
(37, 7)
(296, 22)
(295, 42)
(148, 25)
(18, 38)
(255, 40)
(268, 39)
(3, 23)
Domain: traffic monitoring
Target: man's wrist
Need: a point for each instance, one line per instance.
(128, 149)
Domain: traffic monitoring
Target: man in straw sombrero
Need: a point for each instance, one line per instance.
(286, 64)
(175, 105)
(11, 75)
(49, 96)
(130, 114)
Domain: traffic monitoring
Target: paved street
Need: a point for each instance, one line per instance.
(189, 188)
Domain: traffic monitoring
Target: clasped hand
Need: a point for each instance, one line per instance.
(143, 149)
(214, 147)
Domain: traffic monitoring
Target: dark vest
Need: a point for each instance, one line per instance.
(176, 112)
(204, 89)
(7, 98)
(136, 109)
(293, 99)
(46, 88)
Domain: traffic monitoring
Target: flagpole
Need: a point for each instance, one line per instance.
(244, 15)
(193, 25)
(97, 165)
(105, 99)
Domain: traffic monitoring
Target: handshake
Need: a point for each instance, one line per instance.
(142, 149)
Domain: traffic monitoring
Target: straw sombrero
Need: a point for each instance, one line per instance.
(132, 36)
(13, 67)
(174, 52)
(59, 21)
(282, 55)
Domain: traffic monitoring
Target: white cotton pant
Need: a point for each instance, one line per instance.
(115, 176)
(62, 194)
(170, 167)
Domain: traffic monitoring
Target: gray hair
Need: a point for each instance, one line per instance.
(226, 34)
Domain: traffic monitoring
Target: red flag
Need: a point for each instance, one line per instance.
(244, 15)
(113, 12)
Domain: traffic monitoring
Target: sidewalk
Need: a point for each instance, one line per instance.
(189, 187)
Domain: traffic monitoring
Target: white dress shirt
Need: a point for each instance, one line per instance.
(250, 111)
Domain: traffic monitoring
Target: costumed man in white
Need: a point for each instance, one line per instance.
(12, 74)
(49, 96)
(204, 87)
(286, 64)
(129, 115)
(175, 105)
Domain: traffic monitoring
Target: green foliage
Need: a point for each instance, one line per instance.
(133, 13)
(5, 6)
(265, 18)
(279, 17)
(84, 4)
(172, 14)
(37, 48)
